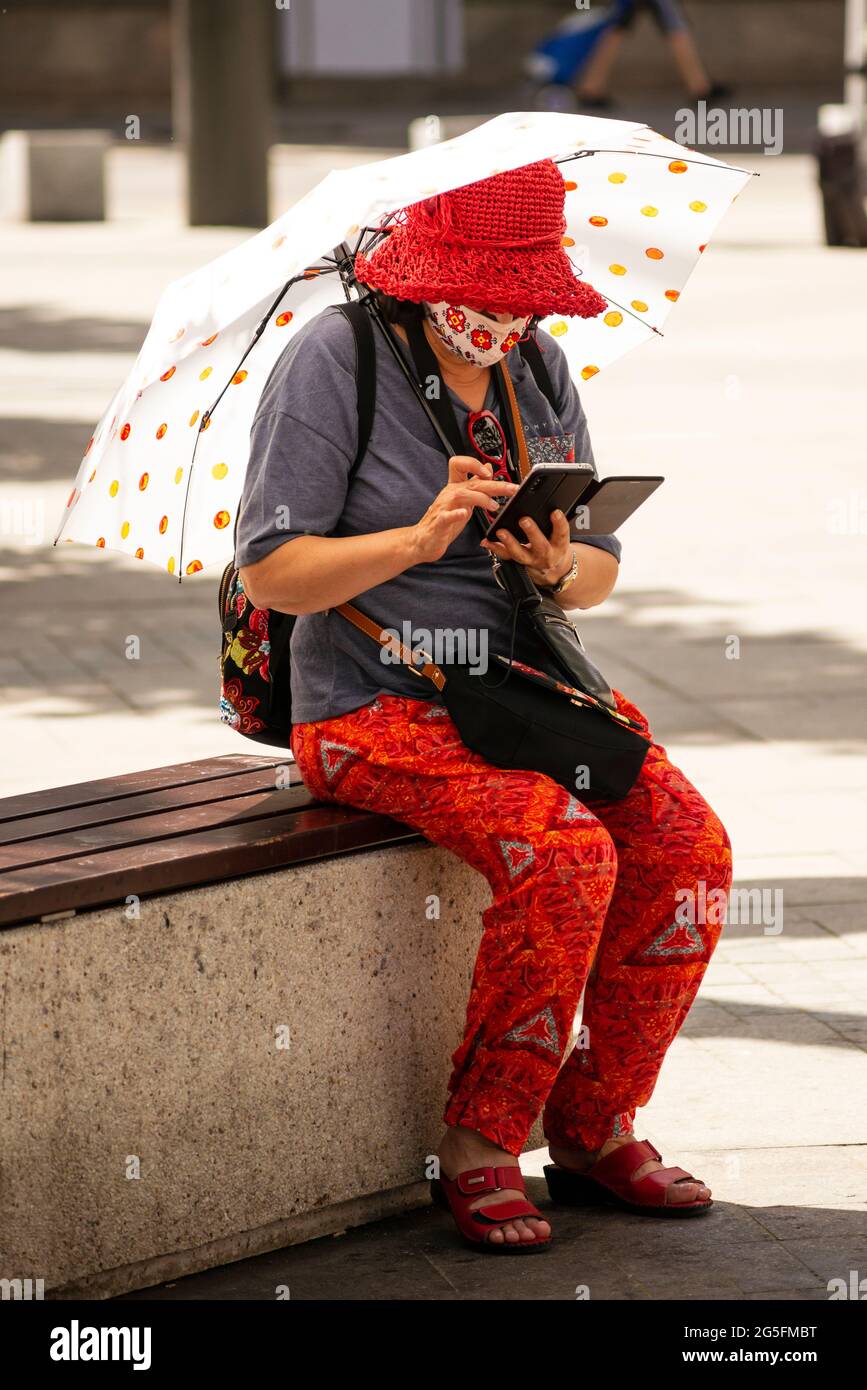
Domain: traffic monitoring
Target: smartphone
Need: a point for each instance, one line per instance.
(546, 488)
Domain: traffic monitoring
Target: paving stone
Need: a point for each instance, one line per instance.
(836, 1256)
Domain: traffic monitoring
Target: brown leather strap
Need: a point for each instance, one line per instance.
(392, 644)
(511, 400)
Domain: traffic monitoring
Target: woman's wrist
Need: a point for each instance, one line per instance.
(551, 578)
(568, 573)
(408, 546)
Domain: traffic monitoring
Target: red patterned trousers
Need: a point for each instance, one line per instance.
(585, 897)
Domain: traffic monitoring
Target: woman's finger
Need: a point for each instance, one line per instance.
(461, 465)
(514, 549)
(492, 487)
(559, 537)
(539, 544)
(478, 496)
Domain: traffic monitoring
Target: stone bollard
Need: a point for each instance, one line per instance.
(430, 130)
(53, 175)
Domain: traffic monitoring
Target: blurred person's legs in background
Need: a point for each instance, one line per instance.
(672, 22)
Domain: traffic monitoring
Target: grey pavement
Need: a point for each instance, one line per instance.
(753, 407)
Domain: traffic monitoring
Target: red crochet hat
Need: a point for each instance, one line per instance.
(495, 244)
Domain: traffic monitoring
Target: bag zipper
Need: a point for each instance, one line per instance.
(580, 698)
(564, 622)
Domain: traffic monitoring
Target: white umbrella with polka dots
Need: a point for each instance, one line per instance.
(162, 475)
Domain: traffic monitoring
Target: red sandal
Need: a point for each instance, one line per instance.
(456, 1194)
(609, 1181)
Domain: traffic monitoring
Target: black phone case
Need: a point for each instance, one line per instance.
(608, 502)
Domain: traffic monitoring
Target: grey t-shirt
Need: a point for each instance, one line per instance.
(302, 444)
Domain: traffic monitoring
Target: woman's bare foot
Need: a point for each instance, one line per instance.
(579, 1160)
(463, 1148)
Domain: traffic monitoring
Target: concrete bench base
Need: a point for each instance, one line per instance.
(242, 1066)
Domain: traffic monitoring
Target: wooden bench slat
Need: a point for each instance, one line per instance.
(132, 833)
(135, 783)
(225, 851)
(42, 825)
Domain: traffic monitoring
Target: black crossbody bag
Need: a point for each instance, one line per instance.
(568, 727)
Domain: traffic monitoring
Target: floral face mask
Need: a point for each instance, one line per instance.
(474, 336)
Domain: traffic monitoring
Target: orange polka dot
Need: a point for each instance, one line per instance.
(221, 520)
(124, 434)
(161, 431)
(164, 524)
(598, 221)
(567, 241)
(653, 253)
(139, 555)
(703, 247)
(206, 342)
(166, 376)
(206, 420)
(613, 319)
(673, 295)
(587, 372)
(101, 542)
(193, 567)
(677, 166)
(282, 319)
(639, 306)
(238, 378)
(143, 481)
(569, 185)
(194, 417)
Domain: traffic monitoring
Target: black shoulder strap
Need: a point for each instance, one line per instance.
(428, 374)
(365, 373)
(532, 355)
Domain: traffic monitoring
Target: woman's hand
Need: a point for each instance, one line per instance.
(471, 484)
(547, 560)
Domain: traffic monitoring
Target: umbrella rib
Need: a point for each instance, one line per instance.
(651, 154)
(632, 314)
(209, 412)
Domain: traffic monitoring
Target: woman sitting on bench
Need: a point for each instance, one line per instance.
(585, 892)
